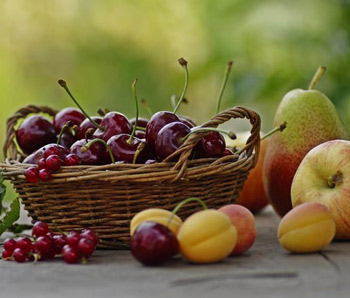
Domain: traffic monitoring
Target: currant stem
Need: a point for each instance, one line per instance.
(178, 206)
(133, 86)
(89, 144)
(64, 127)
(183, 63)
(63, 84)
(223, 86)
(319, 73)
(281, 127)
(230, 134)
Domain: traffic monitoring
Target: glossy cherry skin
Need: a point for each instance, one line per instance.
(95, 155)
(113, 123)
(170, 139)
(34, 132)
(55, 149)
(65, 115)
(67, 139)
(212, 145)
(141, 122)
(140, 134)
(155, 124)
(153, 243)
(123, 151)
(188, 121)
(87, 124)
(227, 152)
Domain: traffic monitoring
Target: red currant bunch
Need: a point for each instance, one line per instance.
(74, 248)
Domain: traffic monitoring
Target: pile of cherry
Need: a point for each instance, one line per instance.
(75, 138)
(74, 247)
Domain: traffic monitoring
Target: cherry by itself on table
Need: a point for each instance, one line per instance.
(34, 132)
(153, 243)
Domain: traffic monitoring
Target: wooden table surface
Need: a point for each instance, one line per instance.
(266, 270)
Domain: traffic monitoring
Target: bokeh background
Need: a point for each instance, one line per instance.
(99, 47)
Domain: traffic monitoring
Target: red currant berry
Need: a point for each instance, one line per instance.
(53, 162)
(58, 242)
(19, 255)
(40, 228)
(43, 245)
(25, 243)
(73, 238)
(32, 174)
(72, 160)
(89, 234)
(70, 254)
(85, 247)
(10, 245)
(42, 163)
(7, 255)
(45, 174)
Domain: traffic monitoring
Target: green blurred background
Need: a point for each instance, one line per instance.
(99, 47)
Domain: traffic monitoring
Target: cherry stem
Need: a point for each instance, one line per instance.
(183, 63)
(89, 144)
(230, 134)
(335, 179)
(318, 74)
(63, 84)
(140, 147)
(184, 202)
(133, 86)
(277, 128)
(64, 127)
(173, 100)
(147, 107)
(223, 85)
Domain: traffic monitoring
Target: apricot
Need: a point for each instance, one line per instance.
(207, 236)
(157, 215)
(244, 222)
(307, 228)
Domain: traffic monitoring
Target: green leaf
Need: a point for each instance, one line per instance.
(10, 216)
(2, 194)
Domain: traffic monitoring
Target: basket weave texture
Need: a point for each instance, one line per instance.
(105, 198)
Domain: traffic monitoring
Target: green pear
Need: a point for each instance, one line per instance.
(311, 120)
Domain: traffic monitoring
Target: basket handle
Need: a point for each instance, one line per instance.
(252, 144)
(10, 148)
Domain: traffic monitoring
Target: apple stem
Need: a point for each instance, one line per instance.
(182, 203)
(318, 74)
(281, 127)
(230, 134)
(89, 144)
(133, 86)
(146, 106)
(335, 179)
(64, 127)
(63, 84)
(140, 147)
(183, 63)
(223, 85)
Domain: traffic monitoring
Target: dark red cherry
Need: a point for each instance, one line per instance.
(87, 124)
(67, 139)
(123, 151)
(113, 123)
(141, 122)
(95, 155)
(140, 134)
(35, 157)
(34, 132)
(55, 149)
(188, 121)
(212, 145)
(155, 124)
(153, 243)
(170, 138)
(227, 152)
(65, 115)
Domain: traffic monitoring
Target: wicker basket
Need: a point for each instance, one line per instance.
(106, 197)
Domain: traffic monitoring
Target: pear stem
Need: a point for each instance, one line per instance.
(133, 86)
(335, 179)
(223, 85)
(89, 144)
(184, 202)
(183, 63)
(277, 128)
(318, 74)
(63, 84)
(230, 134)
